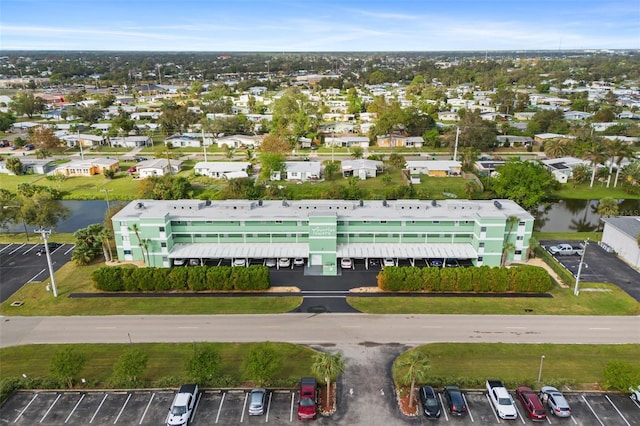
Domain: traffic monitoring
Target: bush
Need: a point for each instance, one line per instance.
(620, 375)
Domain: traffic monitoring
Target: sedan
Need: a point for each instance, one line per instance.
(532, 405)
(284, 262)
(455, 401)
(270, 263)
(436, 263)
(556, 401)
(346, 263)
(298, 261)
(52, 247)
(387, 261)
(430, 402)
(257, 401)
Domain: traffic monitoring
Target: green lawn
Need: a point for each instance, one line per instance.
(77, 279)
(611, 302)
(598, 192)
(166, 360)
(470, 364)
(571, 236)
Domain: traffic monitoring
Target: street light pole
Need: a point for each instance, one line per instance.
(576, 289)
(106, 193)
(540, 370)
(45, 235)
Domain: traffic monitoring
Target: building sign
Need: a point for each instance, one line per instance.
(320, 231)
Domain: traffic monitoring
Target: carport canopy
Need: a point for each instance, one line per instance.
(238, 250)
(407, 251)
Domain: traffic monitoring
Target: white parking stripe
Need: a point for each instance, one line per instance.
(220, 407)
(590, 408)
(6, 248)
(35, 276)
(17, 249)
(25, 408)
(98, 409)
(468, 409)
(492, 409)
(616, 408)
(122, 409)
(244, 406)
(518, 411)
(146, 409)
(50, 407)
(193, 413)
(266, 419)
(444, 410)
(69, 250)
(635, 402)
(74, 408)
(293, 395)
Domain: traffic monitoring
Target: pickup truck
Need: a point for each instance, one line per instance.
(183, 405)
(501, 400)
(566, 250)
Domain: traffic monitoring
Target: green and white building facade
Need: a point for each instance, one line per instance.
(322, 231)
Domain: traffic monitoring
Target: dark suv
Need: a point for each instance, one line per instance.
(455, 401)
(430, 402)
(307, 404)
(52, 246)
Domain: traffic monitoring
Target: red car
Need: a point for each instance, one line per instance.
(531, 403)
(307, 404)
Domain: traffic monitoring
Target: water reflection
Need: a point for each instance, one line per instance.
(577, 215)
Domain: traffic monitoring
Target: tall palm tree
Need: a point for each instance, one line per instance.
(104, 236)
(595, 153)
(625, 152)
(413, 366)
(508, 246)
(555, 148)
(143, 243)
(612, 149)
(327, 366)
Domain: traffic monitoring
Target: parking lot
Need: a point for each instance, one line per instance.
(150, 407)
(20, 264)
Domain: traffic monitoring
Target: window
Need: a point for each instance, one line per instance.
(521, 223)
(479, 258)
(278, 221)
(127, 252)
(436, 222)
(520, 238)
(483, 229)
(162, 229)
(481, 245)
(518, 252)
(163, 245)
(383, 221)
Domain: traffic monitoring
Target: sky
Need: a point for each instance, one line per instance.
(319, 25)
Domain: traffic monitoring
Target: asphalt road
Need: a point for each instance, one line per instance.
(321, 328)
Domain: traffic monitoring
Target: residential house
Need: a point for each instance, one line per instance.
(347, 141)
(300, 170)
(621, 234)
(487, 167)
(222, 169)
(543, 137)
(448, 116)
(30, 166)
(340, 127)
(84, 140)
(238, 141)
(361, 168)
(523, 116)
(87, 167)
(577, 115)
(184, 140)
(437, 168)
(158, 167)
(514, 141)
(393, 140)
(131, 141)
(562, 168)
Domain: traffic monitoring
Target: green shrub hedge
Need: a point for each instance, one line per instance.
(483, 279)
(198, 278)
(566, 276)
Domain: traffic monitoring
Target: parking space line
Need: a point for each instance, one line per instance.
(469, 409)
(590, 408)
(244, 406)
(616, 408)
(5, 248)
(635, 402)
(35, 276)
(220, 407)
(50, 407)
(193, 414)
(495, 414)
(17, 248)
(518, 411)
(293, 395)
(146, 408)
(266, 419)
(98, 409)
(444, 410)
(122, 409)
(75, 407)
(69, 250)
(25, 408)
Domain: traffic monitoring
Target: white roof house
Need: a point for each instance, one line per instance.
(562, 168)
(303, 170)
(434, 167)
(238, 141)
(347, 141)
(621, 234)
(131, 141)
(158, 167)
(362, 168)
(222, 169)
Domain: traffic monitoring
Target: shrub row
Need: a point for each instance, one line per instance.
(197, 278)
(465, 382)
(483, 279)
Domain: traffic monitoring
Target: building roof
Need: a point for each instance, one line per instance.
(157, 163)
(222, 166)
(361, 164)
(303, 209)
(629, 225)
(303, 166)
(434, 164)
(406, 251)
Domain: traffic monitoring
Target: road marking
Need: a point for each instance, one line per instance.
(146, 409)
(50, 407)
(616, 408)
(105, 328)
(266, 419)
(446, 417)
(220, 407)
(323, 297)
(99, 406)
(25, 408)
(516, 328)
(293, 395)
(188, 327)
(5, 247)
(599, 328)
(193, 413)
(74, 408)
(469, 410)
(122, 409)
(17, 249)
(244, 406)
(518, 411)
(590, 408)
(325, 292)
(36, 276)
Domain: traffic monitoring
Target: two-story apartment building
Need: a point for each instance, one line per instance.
(321, 231)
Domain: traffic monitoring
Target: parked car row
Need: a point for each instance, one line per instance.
(532, 402)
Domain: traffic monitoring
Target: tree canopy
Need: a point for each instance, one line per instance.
(525, 182)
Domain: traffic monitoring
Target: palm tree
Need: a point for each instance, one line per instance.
(612, 149)
(508, 246)
(104, 236)
(625, 152)
(468, 157)
(413, 366)
(608, 207)
(144, 244)
(555, 148)
(357, 152)
(327, 366)
(594, 152)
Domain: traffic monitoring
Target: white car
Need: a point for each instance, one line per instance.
(346, 263)
(270, 263)
(284, 262)
(635, 393)
(239, 262)
(179, 262)
(298, 261)
(387, 261)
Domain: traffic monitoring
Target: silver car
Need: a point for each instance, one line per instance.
(257, 401)
(553, 398)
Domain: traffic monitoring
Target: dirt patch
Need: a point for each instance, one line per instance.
(406, 407)
(327, 405)
(366, 290)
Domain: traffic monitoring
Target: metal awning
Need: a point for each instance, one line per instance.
(407, 251)
(238, 250)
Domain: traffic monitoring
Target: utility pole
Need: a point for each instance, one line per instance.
(576, 289)
(45, 235)
(106, 193)
(455, 148)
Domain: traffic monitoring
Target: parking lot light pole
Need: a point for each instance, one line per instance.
(576, 289)
(45, 235)
(540, 370)
(106, 193)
